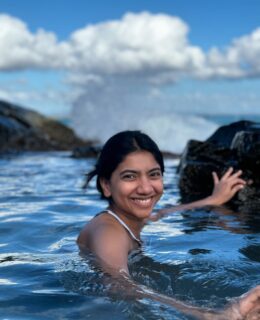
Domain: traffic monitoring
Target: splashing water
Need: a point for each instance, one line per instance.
(96, 117)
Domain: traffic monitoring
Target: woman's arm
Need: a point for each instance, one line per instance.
(224, 189)
(120, 285)
(111, 250)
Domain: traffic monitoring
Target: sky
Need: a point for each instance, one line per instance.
(61, 57)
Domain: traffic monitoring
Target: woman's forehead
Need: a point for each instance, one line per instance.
(139, 160)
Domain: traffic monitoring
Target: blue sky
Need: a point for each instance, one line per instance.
(211, 22)
(218, 72)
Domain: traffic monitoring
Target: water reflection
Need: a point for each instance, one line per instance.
(221, 218)
(200, 256)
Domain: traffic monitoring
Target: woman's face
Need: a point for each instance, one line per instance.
(136, 185)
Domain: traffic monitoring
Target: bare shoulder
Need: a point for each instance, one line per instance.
(106, 239)
(103, 231)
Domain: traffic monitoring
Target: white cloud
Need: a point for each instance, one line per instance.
(153, 46)
(156, 47)
(239, 60)
(20, 49)
(247, 51)
(138, 43)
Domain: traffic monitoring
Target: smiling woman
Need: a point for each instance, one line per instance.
(130, 176)
(135, 186)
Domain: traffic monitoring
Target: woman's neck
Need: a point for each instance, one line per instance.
(136, 225)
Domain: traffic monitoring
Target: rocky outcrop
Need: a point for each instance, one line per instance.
(86, 151)
(236, 145)
(26, 130)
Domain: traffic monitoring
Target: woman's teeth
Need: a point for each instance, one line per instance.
(143, 202)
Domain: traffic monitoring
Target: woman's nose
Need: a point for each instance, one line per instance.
(144, 186)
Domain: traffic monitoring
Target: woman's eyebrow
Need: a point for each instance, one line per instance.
(128, 171)
(136, 171)
(155, 169)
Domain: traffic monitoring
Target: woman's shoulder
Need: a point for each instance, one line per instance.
(102, 227)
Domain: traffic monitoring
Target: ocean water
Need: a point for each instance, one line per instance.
(202, 257)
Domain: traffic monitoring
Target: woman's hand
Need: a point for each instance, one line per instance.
(249, 304)
(226, 187)
(246, 307)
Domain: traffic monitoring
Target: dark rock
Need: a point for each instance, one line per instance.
(236, 145)
(22, 129)
(225, 134)
(247, 143)
(171, 155)
(86, 151)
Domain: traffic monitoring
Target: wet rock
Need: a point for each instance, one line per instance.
(22, 129)
(171, 155)
(225, 134)
(236, 145)
(86, 151)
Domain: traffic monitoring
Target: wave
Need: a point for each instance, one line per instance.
(173, 131)
(169, 129)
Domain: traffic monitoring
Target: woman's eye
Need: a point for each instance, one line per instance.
(129, 177)
(156, 174)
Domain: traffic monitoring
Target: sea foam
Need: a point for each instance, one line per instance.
(171, 130)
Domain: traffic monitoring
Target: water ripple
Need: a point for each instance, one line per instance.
(198, 256)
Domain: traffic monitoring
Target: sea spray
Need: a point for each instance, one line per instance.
(169, 129)
(107, 105)
(173, 131)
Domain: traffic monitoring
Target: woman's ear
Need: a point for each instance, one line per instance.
(105, 185)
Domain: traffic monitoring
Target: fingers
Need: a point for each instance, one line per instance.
(249, 182)
(215, 178)
(250, 301)
(236, 188)
(239, 181)
(233, 177)
(226, 187)
(228, 173)
(234, 182)
(236, 174)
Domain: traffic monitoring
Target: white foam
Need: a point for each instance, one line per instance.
(173, 131)
(169, 129)
(105, 105)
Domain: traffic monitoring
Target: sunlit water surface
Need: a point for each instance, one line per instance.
(204, 256)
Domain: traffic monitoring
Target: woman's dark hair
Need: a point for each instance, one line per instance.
(116, 149)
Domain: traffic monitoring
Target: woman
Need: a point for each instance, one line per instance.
(129, 174)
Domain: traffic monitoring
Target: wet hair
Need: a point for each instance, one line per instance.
(116, 149)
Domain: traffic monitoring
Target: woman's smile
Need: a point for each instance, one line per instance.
(143, 203)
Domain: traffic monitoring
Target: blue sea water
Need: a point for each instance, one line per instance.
(202, 257)
(225, 119)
